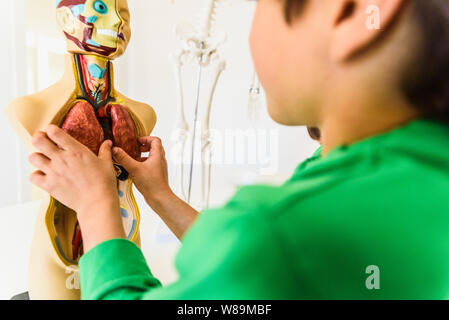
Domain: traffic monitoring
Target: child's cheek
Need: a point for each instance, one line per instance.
(265, 47)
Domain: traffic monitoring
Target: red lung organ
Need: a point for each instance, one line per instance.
(82, 123)
(123, 131)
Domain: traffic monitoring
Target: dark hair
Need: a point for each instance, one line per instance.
(293, 8)
(314, 133)
(426, 82)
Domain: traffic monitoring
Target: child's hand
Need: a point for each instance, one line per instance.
(151, 175)
(72, 174)
(151, 178)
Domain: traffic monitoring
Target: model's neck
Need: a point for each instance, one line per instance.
(94, 77)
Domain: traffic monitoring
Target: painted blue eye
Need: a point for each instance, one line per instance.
(100, 7)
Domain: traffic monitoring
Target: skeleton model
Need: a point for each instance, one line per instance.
(200, 46)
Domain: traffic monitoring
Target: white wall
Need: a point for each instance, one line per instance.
(13, 169)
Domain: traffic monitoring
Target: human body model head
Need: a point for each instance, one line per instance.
(96, 27)
(324, 65)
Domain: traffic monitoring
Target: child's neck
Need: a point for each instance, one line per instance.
(94, 78)
(355, 122)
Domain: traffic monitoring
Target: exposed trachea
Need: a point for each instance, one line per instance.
(96, 96)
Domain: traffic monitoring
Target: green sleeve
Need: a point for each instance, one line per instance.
(228, 254)
(115, 269)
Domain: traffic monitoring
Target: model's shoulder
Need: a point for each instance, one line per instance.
(19, 105)
(144, 112)
(133, 105)
(23, 112)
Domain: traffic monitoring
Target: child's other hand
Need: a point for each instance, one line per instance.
(150, 176)
(74, 175)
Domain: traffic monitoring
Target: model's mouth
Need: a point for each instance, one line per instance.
(121, 36)
(107, 32)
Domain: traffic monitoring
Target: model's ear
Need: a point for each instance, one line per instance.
(358, 23)
(66, 20)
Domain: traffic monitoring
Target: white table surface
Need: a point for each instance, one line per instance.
(16, 232)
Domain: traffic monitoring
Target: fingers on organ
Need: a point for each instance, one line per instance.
(150, 140)
(156, 147)
(40, 161)
(105, 150)
(43, 143)
(118, 153)
(144, 148)
(144, 140)
(61, 138)
(152, 144)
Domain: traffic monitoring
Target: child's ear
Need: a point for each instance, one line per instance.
(359, 23)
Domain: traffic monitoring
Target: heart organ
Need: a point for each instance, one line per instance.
(110, 122)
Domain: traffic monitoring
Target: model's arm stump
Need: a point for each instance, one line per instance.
(22, 117)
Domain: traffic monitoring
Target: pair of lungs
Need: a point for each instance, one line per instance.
(92, 128)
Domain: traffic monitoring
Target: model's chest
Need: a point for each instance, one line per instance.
(111, 122)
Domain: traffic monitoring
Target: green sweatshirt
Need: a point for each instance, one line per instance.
(368, 221)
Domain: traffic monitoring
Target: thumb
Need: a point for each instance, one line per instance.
(124, 159)
(105, 151)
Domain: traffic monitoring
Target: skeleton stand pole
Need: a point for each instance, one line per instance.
(195, 121)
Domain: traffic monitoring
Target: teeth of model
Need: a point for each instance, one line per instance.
(107, 32)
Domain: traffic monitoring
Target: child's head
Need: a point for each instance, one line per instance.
(315, 57)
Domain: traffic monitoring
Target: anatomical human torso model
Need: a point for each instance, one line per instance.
(86, 105)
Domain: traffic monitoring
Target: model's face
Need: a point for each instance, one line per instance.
(105, 22)
(95, 26)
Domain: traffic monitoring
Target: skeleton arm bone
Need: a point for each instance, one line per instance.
(206, 143)
(181, 127)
